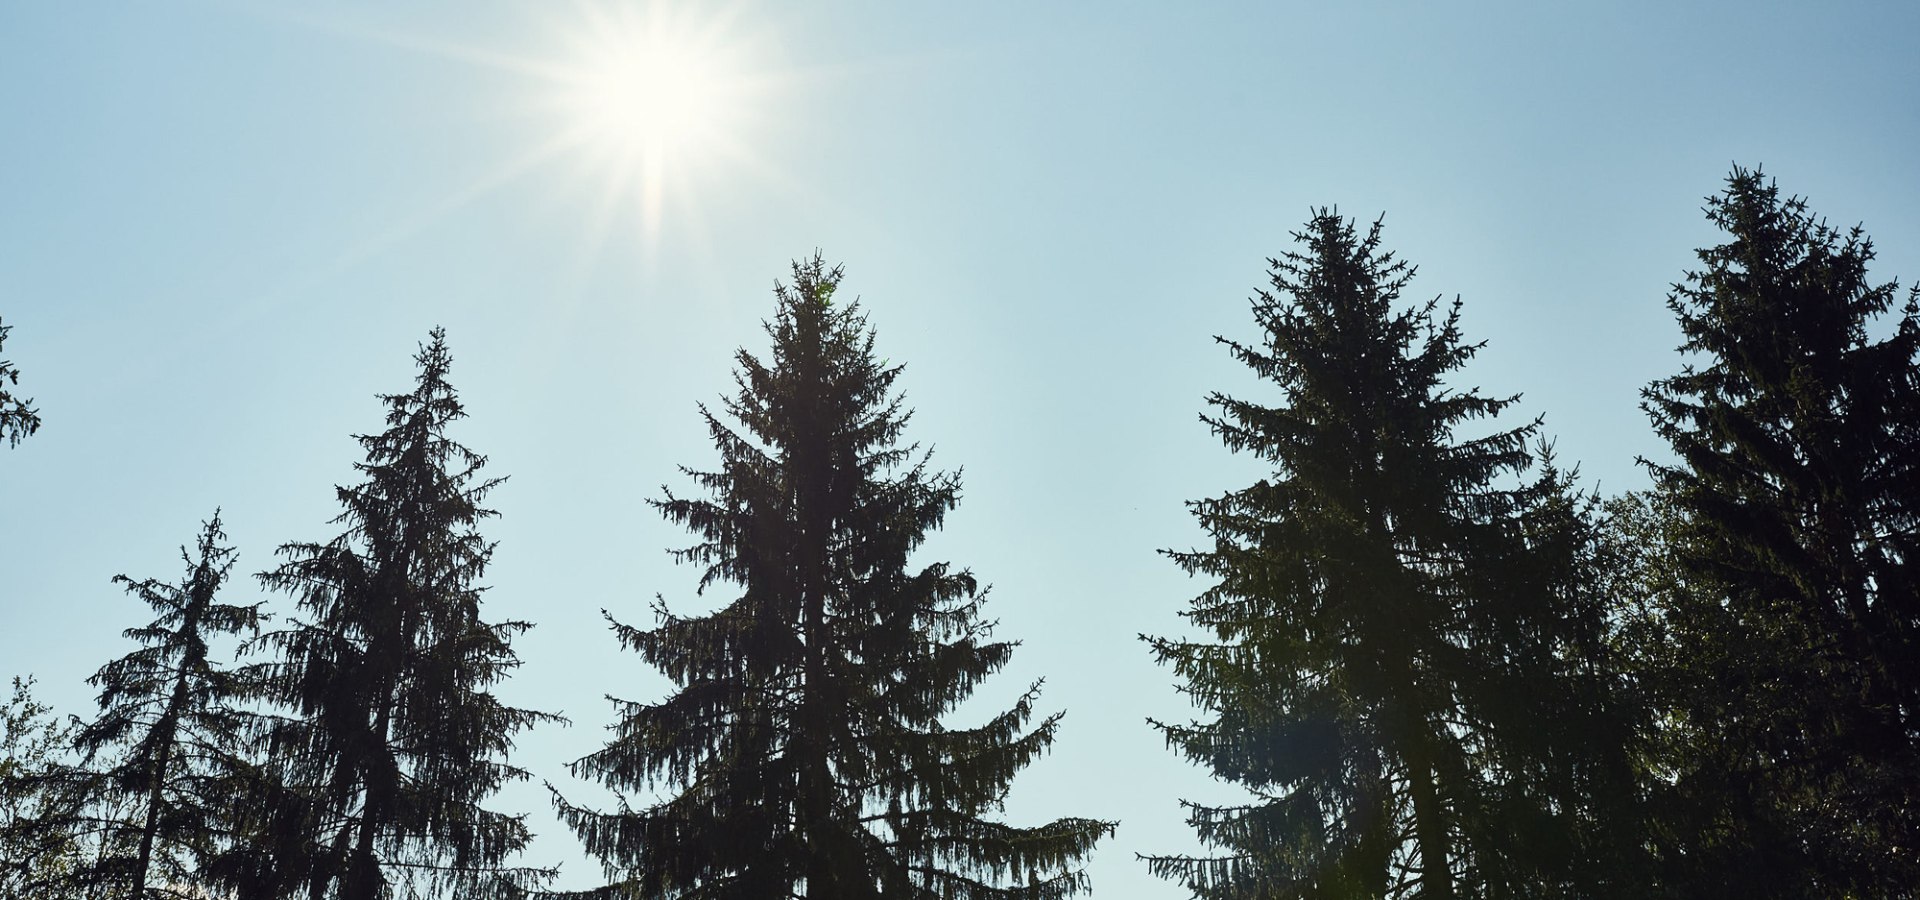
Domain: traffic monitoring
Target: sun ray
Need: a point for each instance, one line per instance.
(473, 189)
(649, 103)
(654, 89)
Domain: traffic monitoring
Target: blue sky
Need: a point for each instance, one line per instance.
(224, 227)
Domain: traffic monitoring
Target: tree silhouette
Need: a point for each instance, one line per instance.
(38, 847)
(17, 417)
(391, 739)
(171, 723)
(1796, 498)
(1393, 666)
(804, 753)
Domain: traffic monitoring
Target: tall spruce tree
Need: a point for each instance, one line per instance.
(1796, 493)
(390, 739)
(804, 752)
(1388, 668)
(162, 761)
(17, 417)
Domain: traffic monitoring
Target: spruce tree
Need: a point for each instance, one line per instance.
(1388, 641)
(804, 752)
(164, 754)
(389, 739)
(1796, 492)
(17, 417)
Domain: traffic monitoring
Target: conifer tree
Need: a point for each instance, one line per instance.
(38, 847)
(804, 752)
(1658, 635)
(1556, 700)
(1796, 493)
(390, 740)
(17, 417)
(170, 729)
(1386, 660)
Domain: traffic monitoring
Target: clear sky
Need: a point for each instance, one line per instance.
(224, 227)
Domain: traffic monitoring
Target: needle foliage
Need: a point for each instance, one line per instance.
(1390, 652)
(1793, 665)
(162, 761)
(804, 752)
(388, 739)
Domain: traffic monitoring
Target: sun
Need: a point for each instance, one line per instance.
(654, 100)
(647, 83)
(651, 96)
(655, 105)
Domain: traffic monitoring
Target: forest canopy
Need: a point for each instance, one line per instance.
(1425, 656)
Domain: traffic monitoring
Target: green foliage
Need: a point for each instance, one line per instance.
(17, 417)
(1792, 667)
(803, 752)
(1401, 666)
(390, 739)
(1437, 668)
(1659, 629)
(1564, 719)
(38, 852)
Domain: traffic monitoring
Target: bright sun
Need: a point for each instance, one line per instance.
(650, 100)
(650, 95)
(653, 101)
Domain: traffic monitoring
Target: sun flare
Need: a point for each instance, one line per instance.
(657, 107)
(641, 94)
(651, 95)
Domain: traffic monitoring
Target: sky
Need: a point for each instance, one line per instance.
(225, 227)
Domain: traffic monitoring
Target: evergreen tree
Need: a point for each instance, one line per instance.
(1796, 493)
(1397, 635)
(1559, 702)
(17, 417)
(175, 719)
(393, 740)
(804, 753)
(38, 846)
(1658, 633)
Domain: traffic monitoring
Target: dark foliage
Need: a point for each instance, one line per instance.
(17, 417)
(38, 846)
(803, 753)
(390, 740)
(1795, 613)
(1403, 669)
(161, 762)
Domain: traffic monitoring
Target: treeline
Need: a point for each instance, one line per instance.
(1439, 667)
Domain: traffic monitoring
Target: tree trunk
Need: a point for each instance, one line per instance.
(155, 796)
(1429, 820)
